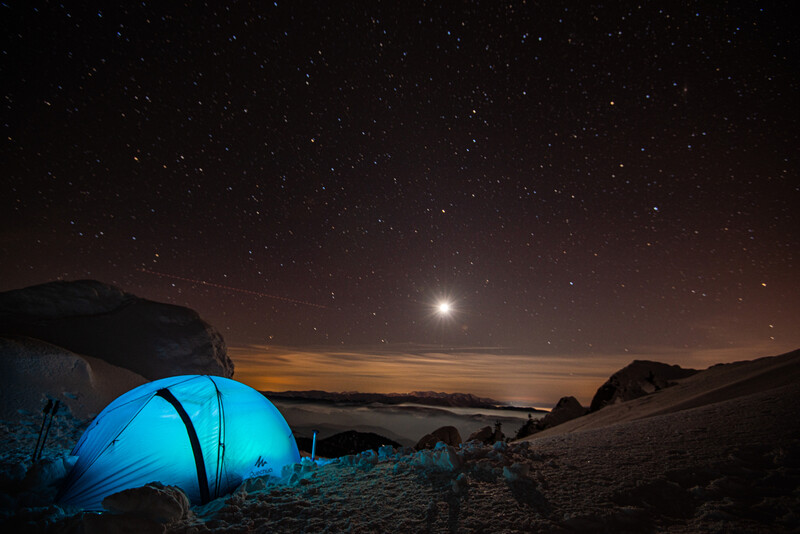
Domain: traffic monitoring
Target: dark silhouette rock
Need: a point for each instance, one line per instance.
(447, 434)
(566, 409)
(637, 379)
(88, 317)
(484, 435)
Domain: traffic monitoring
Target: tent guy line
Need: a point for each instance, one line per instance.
(229, 288)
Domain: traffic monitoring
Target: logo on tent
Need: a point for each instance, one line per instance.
(261, 468)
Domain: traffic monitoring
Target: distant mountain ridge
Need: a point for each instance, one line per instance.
(428, 398)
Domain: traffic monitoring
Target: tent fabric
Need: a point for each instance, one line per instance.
(204, 434)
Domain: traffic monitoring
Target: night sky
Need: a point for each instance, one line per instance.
(584, 184)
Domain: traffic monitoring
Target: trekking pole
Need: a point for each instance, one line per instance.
(44, 420)
(52, 414)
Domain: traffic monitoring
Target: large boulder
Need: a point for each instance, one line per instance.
(88, 317)
(448, 435)
(488, 435)
(155, 501)
(637, 379)
(484, 435)
(33, 372)
(566, 409)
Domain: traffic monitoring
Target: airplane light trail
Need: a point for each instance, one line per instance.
(229, 288)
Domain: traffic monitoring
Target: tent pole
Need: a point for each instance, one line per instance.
(202, 478)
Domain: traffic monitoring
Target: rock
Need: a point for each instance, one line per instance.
(638, 379)
(87, 317)
(155, 501)
(566, 408)
(484, 435)
(446, 434)
(426, 442)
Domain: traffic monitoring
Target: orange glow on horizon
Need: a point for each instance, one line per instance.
(530, 379)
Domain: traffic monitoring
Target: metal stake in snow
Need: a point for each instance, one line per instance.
(313, 445)
(52, 414)
(44, 420)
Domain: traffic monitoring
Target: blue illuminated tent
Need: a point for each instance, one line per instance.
(204, 434)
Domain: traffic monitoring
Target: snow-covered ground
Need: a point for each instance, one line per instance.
(724, 461)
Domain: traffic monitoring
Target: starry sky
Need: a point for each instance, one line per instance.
(585, 184)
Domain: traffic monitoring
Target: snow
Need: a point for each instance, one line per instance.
(639, 378)
(688, 472)
(34, 371)
(719, 453)
(716, 384)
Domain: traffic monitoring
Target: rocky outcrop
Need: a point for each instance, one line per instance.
(88, 317)
(487, 435)
(484, 435)
(154, 501)
(447, 434)
(636, 380)
(566, 409)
